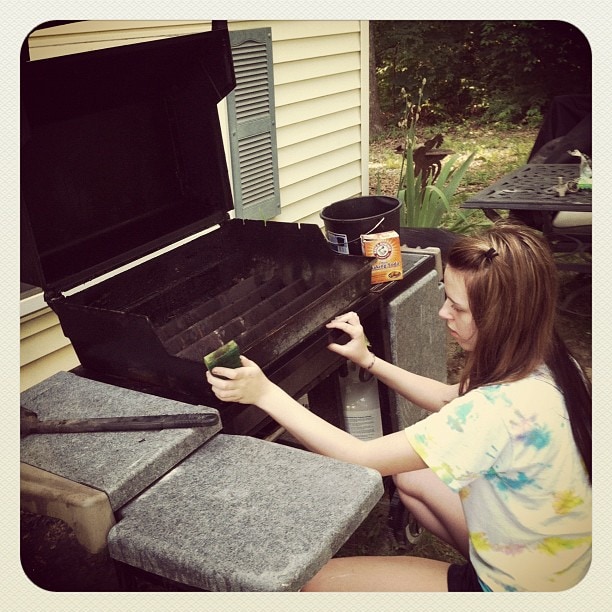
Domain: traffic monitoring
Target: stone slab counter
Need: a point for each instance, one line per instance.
(417, 338)
(122, 464)
(242, 514)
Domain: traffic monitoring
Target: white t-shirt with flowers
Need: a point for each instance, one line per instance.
(508, 451)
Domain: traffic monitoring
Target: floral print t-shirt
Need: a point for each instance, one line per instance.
(508, 451)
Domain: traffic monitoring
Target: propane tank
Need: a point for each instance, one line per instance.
(361, 406)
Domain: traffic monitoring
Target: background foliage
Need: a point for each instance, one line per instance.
(494, 71)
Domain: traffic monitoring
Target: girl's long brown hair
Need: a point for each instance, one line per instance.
(512, 288)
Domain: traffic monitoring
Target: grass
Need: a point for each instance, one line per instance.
(498, 150)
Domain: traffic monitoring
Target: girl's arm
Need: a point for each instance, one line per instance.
(425, 392)
(248, 385)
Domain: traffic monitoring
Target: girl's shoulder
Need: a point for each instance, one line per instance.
(538, 389)
(540, 376)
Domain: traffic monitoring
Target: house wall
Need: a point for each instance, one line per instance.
(44, 350)
(321, 94)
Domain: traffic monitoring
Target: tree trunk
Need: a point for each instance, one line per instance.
(376, 119)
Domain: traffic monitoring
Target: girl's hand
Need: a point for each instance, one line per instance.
(356, 350)
(246, 385)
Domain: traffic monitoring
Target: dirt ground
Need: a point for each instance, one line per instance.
(53, 560)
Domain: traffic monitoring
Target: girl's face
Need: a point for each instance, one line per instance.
(456, 310)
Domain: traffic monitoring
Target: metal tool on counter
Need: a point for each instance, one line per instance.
(31, 424)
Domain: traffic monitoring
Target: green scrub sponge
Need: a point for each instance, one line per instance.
(228, 356)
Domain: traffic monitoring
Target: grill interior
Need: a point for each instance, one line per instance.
(244, 282)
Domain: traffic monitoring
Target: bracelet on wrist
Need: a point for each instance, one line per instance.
(371, 362)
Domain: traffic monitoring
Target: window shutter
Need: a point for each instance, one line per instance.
(252, 126)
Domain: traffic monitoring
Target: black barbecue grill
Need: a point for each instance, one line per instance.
(122, 156)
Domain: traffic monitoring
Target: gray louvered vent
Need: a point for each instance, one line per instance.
(252, 126)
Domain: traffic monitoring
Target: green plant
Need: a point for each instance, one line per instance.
(425, 200)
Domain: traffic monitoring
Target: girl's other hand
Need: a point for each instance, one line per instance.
(356, 349)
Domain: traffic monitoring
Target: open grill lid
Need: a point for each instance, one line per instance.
(121, 154)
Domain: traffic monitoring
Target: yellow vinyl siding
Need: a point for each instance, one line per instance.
(315, 185)
(321, 45)
(300, 91)
(44, 350)
(298, 29)
(318, 78)
(91, 35)
(336, 158)
(314, 68)
(333, 193)
(307, 149)
(321, 126)
(317, 107)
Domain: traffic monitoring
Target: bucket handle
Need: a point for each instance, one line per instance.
(382, 220)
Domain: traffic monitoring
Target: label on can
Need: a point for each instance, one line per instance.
(338, 242)
(385, 247)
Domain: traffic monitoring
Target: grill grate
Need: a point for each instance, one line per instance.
(247, 311)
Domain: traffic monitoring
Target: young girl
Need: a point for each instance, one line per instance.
(501, 469)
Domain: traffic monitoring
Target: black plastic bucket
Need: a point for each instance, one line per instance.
(347, 220)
